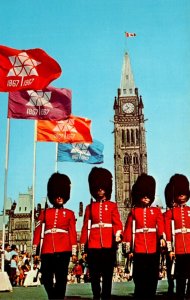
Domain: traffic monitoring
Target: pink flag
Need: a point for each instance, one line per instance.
(26, 69)
(48, 104)
(129, 34)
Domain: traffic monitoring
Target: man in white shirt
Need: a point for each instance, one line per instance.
(14, 251)
(7, 257)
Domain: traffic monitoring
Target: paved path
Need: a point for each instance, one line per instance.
(120, 290)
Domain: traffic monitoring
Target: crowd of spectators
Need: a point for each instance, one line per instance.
(17, 265)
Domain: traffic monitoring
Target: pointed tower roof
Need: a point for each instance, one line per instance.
(127, 84)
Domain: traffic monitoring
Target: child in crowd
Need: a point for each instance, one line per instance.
(14, 270)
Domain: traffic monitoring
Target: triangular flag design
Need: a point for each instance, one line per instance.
(81, 152)
(26, 69)
(72, 130)
(48, 104)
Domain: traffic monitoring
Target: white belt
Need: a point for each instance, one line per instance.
(145, 230)
(182, 230)
(100, 225)
(55, 230)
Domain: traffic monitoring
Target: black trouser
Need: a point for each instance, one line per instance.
(145, 275)
(101, 264)
(170, 277)
(55, 264)
(7, 267)
(182, 274)
(78, 278)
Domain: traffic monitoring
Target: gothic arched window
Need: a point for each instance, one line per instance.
(132, 136)
(126, 159)
(135, 159)
(128, 137)
(123, 136)
(137, 136)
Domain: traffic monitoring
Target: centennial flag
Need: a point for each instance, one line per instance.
(129, 34)
(48, 104)
(81, 152)
(26, 69)
(72, 130)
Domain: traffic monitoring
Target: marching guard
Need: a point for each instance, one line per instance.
(143, 236)
(102, 229)
(56, 235)
(177, 224)
(170, 263)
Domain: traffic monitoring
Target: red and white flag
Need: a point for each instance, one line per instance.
(26, 69)
(72, 130)
(129, 34)
(48, 104)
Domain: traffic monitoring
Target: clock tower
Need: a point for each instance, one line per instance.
(130, 154)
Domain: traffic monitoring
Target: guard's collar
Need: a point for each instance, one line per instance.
(102, 200)
(181, 205)
(58, 206)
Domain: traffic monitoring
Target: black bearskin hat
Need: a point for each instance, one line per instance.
(178, 185)
(59, 185)
(169, 196)
(145, 185)
(100, 178)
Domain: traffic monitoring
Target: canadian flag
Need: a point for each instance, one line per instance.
(129, 34)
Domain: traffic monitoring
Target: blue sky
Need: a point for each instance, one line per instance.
(87, 39)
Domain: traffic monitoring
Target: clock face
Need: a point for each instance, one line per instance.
(128, 108)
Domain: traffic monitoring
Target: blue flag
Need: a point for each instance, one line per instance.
(81, 152)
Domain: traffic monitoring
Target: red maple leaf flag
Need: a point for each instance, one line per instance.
(72, 130)
(48, 104)
(26, 69)
(129, 34)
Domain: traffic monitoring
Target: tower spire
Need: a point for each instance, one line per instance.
(127, 84)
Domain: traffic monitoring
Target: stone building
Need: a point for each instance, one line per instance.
(20, 222)
(130, 154)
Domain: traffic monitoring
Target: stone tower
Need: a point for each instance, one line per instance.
(130, 154)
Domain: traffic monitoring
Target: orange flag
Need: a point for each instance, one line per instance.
(72, 130)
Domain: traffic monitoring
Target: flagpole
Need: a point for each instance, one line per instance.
(125, 44)
(5, 282)
(33, 184)
(5, 187)
(56, 152)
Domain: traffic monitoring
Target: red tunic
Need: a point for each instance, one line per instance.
(149, 226)
(77, 270)
(60, 230)
(181, 216)
(105, 224)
